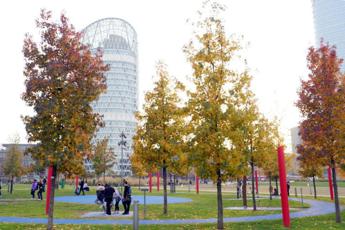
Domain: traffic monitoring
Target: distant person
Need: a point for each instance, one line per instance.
(288, 188)
(33, 188)
(126, 201)
(108, 197)
(86, 187)
(44, 182)
(100, 194)
(81, 187)
(40, 190)
(117, 198)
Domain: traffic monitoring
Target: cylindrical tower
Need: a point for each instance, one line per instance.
(118, 41)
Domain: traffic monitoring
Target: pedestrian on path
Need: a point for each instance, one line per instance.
(117, 199)
(40, 190)
(33, 188)
(126, 201)
(108, 197)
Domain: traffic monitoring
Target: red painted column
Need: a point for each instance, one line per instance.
(158, 175)
(76, 182)
(197, 184)
(49, 187)
(256, 182)
(330, 182)
(283, 187)
(150, 182)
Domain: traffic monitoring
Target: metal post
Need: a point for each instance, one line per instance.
(302, 197)
(135, 215)
(122, 145)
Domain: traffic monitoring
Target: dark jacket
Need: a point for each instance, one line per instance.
(108, 193)
(127, 192)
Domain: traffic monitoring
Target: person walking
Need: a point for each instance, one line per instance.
(44, 182)
(81, 187)
(117, 198)
(33, 188)
(108, 197)
(288, 188)
(126, 201)
(40, 190)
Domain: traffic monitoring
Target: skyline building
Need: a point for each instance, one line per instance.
(118, 41)
(329, 24)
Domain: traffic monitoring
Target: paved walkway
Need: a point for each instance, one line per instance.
(316, 208)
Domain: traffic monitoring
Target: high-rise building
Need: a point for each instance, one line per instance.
(118, 41)
(329, 21)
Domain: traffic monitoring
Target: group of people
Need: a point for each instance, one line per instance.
(38, 186)
(107, 194)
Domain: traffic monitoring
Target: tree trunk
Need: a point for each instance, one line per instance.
(165, 208)
(238, 188)
(244, 192)
(11, 188)
(315, 196)
(104, 178)
(270, 180)
(52, 193)
(336, 197)
(220, 224)
(253, 186)
(276, 179)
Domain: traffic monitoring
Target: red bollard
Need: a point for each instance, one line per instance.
(283, 187)
(330, 182)
(150, 182)
(158, 175)
(49, 187)
(256, 182)
(197, 184)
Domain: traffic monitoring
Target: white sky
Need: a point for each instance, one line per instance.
(279, 33)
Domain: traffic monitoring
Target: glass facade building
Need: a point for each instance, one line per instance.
(329, 21)
(118, 41)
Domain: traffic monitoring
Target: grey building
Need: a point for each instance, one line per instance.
(118, 41)
(329, 22)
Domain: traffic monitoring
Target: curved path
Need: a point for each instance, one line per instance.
(316, 208)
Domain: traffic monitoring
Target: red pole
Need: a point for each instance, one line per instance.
(330, 182)
(158, 175)
(256, 182)
(49, 187)
(283, 187)
(76, 182)
(150, 182)
(197, 184)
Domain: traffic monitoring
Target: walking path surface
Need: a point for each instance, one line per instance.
(316, 208)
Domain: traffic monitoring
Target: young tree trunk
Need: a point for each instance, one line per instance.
(244, 192)
(165, 206)
(11, 189)
(270, 184)
(315, 196)
(253, 186)
(276, 179)
(51, 206)
(220, 224)
(336, 197)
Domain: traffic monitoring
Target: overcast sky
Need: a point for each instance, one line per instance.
(278, 32)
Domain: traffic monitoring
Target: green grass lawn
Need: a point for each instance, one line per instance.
(203, 206)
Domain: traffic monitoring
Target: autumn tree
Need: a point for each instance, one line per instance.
(158, 141)
(309, 165)
(211, 105)
(321, 103)
(12, 166)
(62, 79)
(103, 158)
